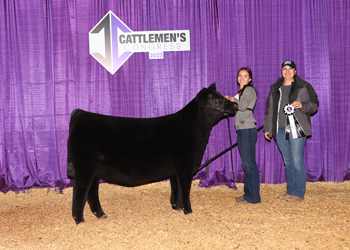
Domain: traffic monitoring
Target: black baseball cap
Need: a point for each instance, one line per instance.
(290, 64)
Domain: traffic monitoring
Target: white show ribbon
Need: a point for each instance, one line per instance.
(292, 123)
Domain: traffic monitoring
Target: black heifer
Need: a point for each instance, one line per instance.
(134, 151)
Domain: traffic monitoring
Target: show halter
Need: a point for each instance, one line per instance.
(223, 152)
(229, 131)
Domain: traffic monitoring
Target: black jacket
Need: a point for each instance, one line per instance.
(300, 91)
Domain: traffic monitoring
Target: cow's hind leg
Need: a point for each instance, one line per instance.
(93, 199)
(175, 198)
(82, 184)
(80, 191)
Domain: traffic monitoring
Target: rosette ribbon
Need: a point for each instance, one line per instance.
(292, 123)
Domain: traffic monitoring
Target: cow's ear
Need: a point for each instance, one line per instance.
(212, 87)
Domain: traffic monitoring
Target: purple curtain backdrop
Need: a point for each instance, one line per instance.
(46, 71)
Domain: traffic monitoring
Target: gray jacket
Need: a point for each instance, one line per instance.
(300, 91)
(244, 118)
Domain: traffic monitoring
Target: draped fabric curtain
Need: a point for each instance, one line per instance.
(46, 71)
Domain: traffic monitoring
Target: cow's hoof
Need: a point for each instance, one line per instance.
(79, 222)
(176, 207)
(100, 215)
(103, 217)
(188, 211)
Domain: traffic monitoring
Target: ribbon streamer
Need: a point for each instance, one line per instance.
(292, 123)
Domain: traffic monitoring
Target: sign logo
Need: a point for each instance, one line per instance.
(111, 42)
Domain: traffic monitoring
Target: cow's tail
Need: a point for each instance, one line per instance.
(70, 168)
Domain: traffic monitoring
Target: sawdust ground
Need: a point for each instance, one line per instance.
(142, 218)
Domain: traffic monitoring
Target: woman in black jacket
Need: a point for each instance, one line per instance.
(290, 104)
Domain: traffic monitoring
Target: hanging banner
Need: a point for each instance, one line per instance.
(111, 42)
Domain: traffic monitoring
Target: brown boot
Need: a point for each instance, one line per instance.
(294, 199)
(284, 196)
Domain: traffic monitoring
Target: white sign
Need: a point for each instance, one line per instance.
(112, 42)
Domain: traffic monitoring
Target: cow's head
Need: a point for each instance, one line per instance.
(215, 105)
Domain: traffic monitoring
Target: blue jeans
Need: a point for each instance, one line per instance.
(292, 151)
(246, 140)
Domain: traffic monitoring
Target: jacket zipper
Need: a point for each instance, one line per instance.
(278, 109)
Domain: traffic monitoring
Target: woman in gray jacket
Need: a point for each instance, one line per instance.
(245, 124)
(290, 104)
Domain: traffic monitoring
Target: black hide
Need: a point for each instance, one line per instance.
(135, 151)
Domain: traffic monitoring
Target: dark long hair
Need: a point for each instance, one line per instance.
(240, 92)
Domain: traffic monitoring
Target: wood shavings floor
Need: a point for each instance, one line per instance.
(142, 218)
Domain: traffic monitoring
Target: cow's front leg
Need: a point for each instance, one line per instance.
(93, 199)
(185, 187)
(175, 200)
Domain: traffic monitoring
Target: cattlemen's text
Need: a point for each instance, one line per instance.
(152, 38)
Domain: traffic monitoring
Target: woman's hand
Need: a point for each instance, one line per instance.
(297, 105)
(267, 136)
(230, 98)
